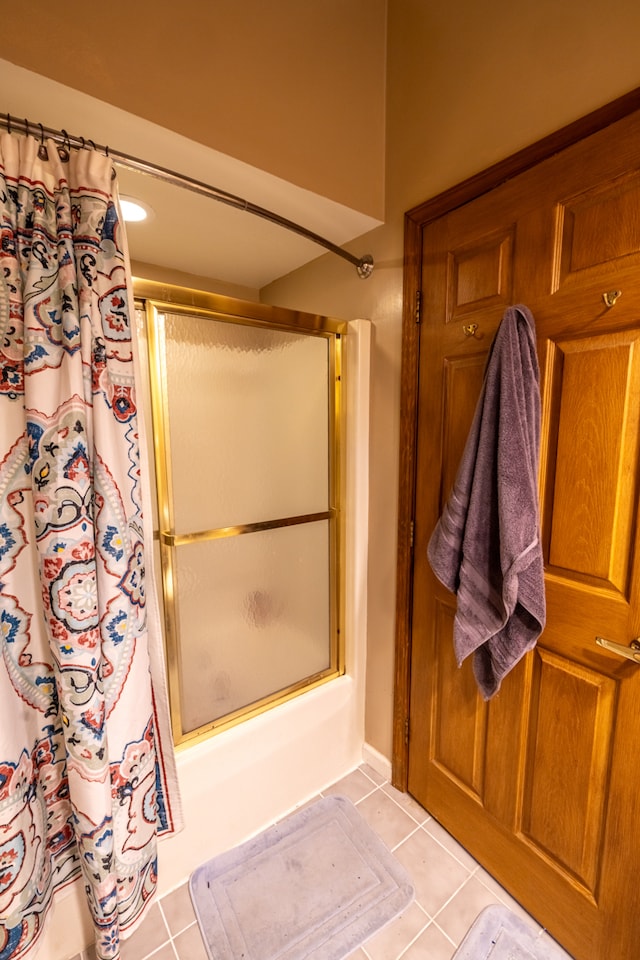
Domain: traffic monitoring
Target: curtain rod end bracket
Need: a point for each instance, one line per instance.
(365, 266)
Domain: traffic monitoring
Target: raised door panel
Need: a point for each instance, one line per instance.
(599, 228)
(459, 744)
(480, 275)
(590, 486)
(569, 746)
(595, 483)
(462, 383)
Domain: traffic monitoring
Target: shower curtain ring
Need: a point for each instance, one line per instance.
(65, 146)
(43, 153)
(26, 126)
(8, 123)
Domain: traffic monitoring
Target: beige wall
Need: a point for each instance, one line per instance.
(293, 87)
(468, 84)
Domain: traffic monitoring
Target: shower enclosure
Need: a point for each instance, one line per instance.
(247, 437)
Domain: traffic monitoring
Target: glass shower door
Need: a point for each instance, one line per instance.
(246, 448)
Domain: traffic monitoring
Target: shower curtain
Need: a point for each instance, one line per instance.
(87, 774)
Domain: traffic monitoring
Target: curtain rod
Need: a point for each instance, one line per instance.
(363, 265)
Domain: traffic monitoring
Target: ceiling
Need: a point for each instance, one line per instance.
(188, 232)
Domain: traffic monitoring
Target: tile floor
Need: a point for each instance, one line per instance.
(451, 888)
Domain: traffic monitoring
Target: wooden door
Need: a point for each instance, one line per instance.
(542, 784)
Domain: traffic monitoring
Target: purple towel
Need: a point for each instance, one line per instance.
(486, 545)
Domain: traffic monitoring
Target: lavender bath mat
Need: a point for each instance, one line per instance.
(313, 887)
(498, 934)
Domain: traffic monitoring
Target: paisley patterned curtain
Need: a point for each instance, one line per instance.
(86, 785)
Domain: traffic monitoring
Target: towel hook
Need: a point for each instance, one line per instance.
(610, 297)
(471, 330)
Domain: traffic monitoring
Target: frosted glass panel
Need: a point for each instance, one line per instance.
(253, 617)
(248, 421)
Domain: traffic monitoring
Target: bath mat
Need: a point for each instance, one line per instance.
(313, 887)
(498, 934)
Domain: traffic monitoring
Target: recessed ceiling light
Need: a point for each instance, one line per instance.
(132, 210)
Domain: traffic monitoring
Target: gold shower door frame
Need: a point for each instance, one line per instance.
(159, 300)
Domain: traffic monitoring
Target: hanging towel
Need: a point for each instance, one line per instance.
(486, 545)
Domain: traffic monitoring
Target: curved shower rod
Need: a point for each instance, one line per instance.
(363, 265)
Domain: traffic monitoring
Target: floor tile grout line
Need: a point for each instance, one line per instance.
(430, 923)
(450, 900)
(429, 920)
(384, 780)
(418, 934)
(471, 871)
(418, 823)
(404, 809)
(452, 854)
(445, 934)
(154, 953)
(366, 796)
(176, 933)
(503, 899)
(166, 922)
(404, 839)
(380, 787)
(338, 794)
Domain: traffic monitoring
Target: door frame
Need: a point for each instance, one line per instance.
(415, 221)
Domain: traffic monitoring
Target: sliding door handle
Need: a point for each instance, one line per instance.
(632, 652)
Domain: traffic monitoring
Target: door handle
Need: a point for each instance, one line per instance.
(632, 652)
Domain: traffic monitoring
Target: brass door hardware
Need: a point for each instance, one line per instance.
(610, 297)
(471, 330)
(632, 652)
